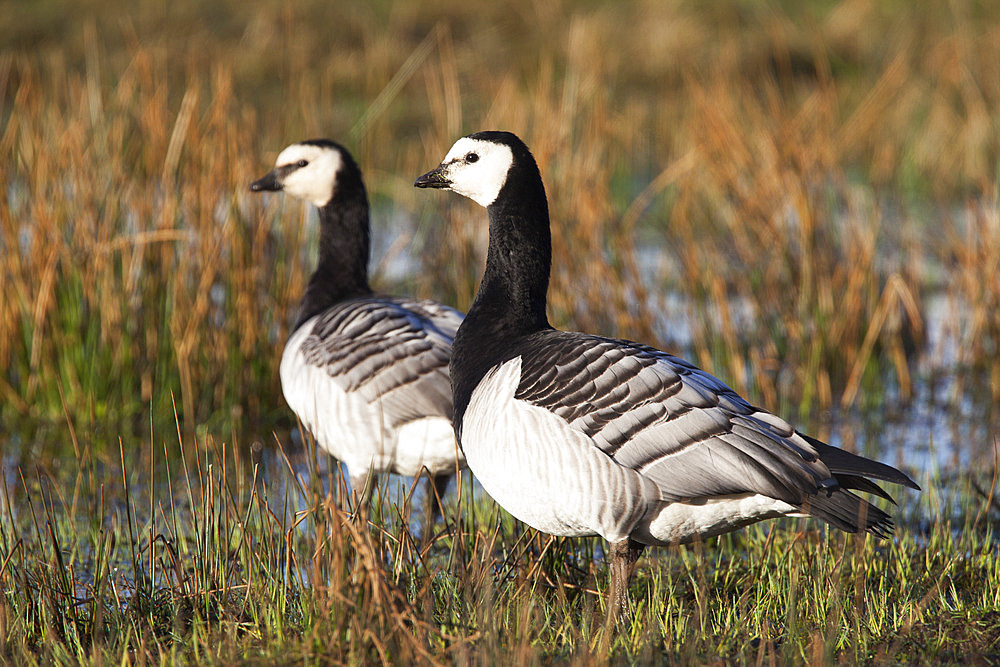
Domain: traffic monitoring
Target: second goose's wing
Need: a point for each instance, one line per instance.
(443, 318)
(388, 352)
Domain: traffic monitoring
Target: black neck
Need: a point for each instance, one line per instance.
(510, 303)
(511, 298)
(344, 249)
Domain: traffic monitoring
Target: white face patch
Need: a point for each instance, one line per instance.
(477, 169)
(315, 181)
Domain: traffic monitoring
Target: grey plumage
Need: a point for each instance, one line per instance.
(388, 349)
(690, 433)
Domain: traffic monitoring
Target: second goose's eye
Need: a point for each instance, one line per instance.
(302, 163)
(472, 157)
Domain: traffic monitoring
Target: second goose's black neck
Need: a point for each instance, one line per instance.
(344, 247)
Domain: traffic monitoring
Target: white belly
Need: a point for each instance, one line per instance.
(557, 480)
(353, 430)
(428, 442)
(543, 472)
(680, 523)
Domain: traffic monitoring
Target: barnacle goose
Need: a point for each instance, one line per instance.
(367, 374)
(578, 435)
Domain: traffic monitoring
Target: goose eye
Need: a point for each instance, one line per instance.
(302, 163)
(472, 157)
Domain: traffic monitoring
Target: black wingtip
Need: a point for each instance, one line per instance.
(844, 462)
(851, 514)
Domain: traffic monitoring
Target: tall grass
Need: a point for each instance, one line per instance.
(232, 559)
(135, 270)
(807, 178)
(766, 166)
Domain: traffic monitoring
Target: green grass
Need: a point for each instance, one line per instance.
(218, 559)
(834, 166)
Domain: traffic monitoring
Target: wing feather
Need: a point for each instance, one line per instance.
(390, 350)
(688, 432)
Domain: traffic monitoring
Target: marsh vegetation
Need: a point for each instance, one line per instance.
(803, 199)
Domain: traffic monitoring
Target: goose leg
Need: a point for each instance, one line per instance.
(433, 503)
(361, 489)
(623, 556)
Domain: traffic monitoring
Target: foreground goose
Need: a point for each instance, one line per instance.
(581, 435)
(367, 374)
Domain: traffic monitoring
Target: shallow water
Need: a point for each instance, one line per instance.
(949, 425)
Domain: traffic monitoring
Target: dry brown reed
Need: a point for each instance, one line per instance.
(132, 262)
(808, 176)
(772, 157)
(775, 240)
(975, 286)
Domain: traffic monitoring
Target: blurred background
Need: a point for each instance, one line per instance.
(800, 197)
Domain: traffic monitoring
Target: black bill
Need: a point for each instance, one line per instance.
(268, 182)
(432, 179)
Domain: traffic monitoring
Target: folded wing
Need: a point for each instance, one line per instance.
(391, 351)
(691, 434)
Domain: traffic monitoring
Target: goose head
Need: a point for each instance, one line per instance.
(308, 170)
(477, 166)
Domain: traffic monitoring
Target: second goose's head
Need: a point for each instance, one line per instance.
(481, 165)
(312, 170)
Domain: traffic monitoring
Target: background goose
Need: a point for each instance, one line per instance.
(581, 435)
(367, 374)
